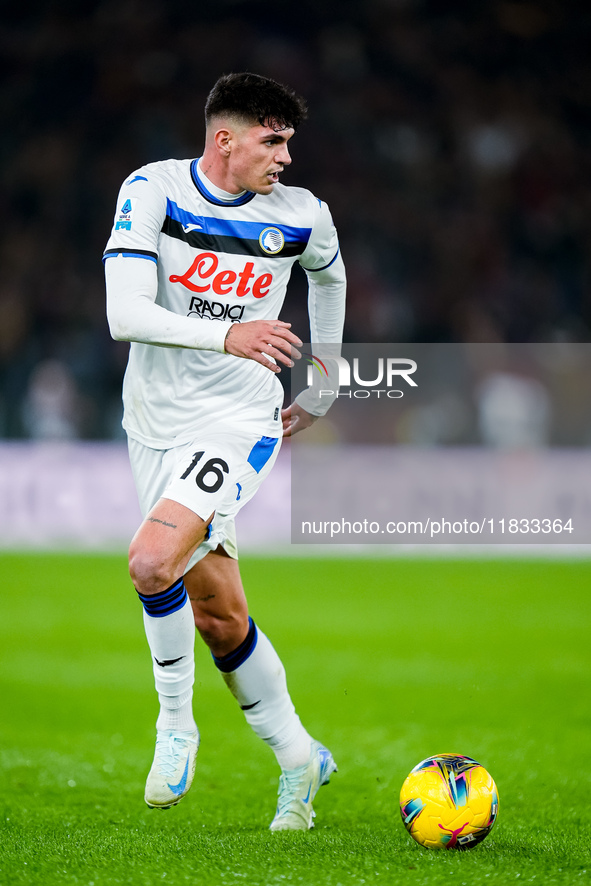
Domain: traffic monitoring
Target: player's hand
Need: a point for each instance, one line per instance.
(296, 419)
(260, 339)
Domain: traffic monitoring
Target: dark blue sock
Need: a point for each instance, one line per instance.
(166, 602)
(234, 659)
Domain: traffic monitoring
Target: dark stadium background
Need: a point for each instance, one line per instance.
(451, 141)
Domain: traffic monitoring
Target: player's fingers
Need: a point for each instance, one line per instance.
(285, 346)
(283, 354)
(288, 337)
(283, 332)
(293, 353)
(291, 427)
(262, 352)
(278, 355)
(264, 361)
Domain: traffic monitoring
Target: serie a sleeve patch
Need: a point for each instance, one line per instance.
(125, 216)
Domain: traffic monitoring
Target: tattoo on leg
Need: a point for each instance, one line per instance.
(203, 599)
(164, 523)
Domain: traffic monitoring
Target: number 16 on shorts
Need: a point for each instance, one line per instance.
(222, 474)
(208, 475)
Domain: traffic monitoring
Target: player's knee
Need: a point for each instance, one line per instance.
(149, 573)
(222, 634)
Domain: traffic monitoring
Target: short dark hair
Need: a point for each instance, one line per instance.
(256, 99)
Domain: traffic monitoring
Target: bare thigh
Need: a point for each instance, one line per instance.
(219, 605)
(163, 545)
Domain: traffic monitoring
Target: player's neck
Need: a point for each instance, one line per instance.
(214, 179)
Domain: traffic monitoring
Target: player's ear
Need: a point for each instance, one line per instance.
(222, 139)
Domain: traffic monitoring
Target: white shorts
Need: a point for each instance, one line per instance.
(217, 473)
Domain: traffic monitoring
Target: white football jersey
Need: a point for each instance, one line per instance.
(221, 260)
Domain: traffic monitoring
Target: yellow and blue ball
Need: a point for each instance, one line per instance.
(449, 802)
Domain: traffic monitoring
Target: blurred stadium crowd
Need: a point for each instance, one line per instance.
(450, 139)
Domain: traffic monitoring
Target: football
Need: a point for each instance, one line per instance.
(449, 802)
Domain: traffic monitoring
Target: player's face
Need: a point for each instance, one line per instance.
(258, 155)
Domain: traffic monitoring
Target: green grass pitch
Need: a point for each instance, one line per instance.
(388, 661)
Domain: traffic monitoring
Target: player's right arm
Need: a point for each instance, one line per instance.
(131, 278)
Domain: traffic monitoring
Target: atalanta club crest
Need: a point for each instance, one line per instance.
(271, 241)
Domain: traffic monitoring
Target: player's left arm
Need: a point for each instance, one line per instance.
(327, 284)
(295, 419)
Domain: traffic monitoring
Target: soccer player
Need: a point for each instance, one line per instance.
(196, 268)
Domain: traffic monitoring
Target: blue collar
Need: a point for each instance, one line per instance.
(240, 200)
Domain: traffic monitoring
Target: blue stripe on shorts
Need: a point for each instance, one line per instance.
(261, 452)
